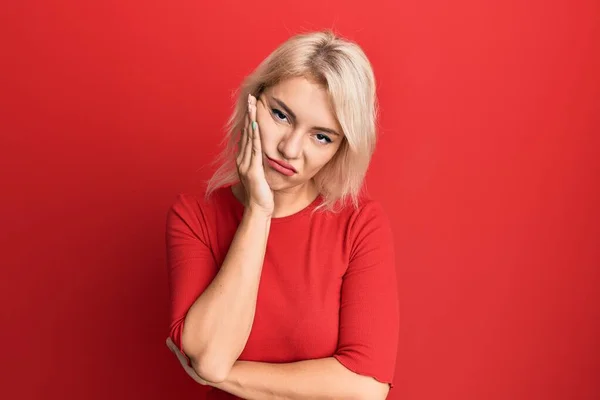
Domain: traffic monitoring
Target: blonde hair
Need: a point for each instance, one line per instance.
(345, 72)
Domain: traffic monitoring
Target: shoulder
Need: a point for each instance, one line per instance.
(192, 211)
(354, 217)
(187, 206)
(189, 203)
(368, 225)
(369, 212)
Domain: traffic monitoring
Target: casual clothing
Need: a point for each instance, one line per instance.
(328, 285)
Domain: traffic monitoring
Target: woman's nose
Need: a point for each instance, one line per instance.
(290, 145)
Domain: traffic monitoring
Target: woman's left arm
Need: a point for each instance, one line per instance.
(324, 378)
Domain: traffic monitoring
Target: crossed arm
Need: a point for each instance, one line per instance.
(324, 378)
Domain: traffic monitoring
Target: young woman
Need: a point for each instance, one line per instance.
(282, 277)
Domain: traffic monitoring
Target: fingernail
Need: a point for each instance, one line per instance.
(254, 125)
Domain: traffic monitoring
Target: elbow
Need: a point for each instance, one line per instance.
(211, 369)
(208, 366)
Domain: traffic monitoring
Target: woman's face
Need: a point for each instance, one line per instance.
(298, 128)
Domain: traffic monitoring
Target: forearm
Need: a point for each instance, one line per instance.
(322, 378)
(219, 322)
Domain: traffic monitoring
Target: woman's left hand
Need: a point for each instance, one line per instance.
(190, 371)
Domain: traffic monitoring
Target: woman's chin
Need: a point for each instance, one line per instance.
(278, 181)
(277, 185)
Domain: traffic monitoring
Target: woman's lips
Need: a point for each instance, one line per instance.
(281, 167)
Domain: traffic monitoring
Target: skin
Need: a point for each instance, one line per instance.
(292, 136)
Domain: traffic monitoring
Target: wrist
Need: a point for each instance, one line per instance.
(259, 214)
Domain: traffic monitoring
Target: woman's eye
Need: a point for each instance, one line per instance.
(323, 138)
(281, 116)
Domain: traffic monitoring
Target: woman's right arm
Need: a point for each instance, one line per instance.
(218, 323)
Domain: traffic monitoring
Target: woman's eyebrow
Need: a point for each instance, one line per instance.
(291, 113)
(284, 106)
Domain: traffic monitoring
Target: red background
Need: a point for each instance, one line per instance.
(487, 163)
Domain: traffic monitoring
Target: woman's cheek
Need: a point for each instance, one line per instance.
(266, 124)
(264, 119)
(262, 111)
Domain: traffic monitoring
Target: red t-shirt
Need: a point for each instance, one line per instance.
(328, 284)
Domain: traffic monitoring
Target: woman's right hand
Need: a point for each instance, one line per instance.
(258, 193)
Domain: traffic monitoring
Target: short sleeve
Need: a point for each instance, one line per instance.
(369, 321)
(190, 262)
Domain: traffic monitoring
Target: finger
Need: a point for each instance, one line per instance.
(256, 143)
(182, 360)
(193, 374)
(243, 139)
(176, 351)
(170, 343)
(247, 152)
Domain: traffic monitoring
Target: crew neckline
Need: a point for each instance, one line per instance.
(240, 207)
